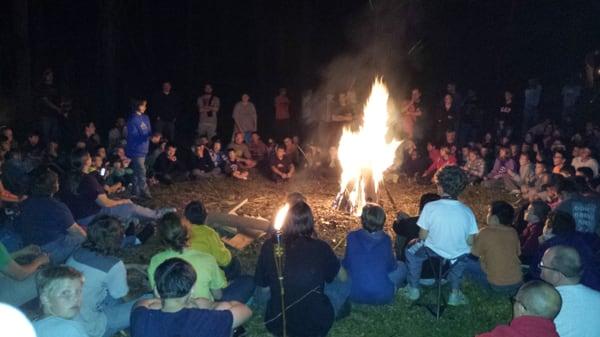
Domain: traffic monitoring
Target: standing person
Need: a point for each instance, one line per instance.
(282, 113)
(244, 117)
(447, 116)
(507, 111)
(410, 113)
(447, 229)
(166, 106)
(208, 108)
(138, 135)
(49, 106)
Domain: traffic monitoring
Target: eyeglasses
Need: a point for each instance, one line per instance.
(542, 266)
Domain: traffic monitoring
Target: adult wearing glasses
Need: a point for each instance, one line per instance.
(561, 266)
(534, 307)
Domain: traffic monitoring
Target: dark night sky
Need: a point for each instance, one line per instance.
(258, 46)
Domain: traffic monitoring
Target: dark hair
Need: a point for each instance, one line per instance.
(452, 180)
(172, 233)
(299, 223)
(562, 153)
(171, 144)
(561, 223)
(195, 212)
(44, 183)
(136, 102)
(174, 278)
(540, 209)
(105, 235)
(566, 185)
(427, 198)
(587, 172)
(372, 217)
(503, 211)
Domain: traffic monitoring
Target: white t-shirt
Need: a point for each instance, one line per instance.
(104, 276)
(58, 327)
(580, 312)
(449, 223)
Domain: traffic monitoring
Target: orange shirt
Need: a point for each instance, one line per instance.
(498, 249)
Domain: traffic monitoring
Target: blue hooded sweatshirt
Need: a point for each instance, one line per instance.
(138, 135)
(369, 259)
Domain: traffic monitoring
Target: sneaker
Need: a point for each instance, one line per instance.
(165, 210)
(411, 293)
(457, 298)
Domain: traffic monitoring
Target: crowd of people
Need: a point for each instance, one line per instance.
(71, 202)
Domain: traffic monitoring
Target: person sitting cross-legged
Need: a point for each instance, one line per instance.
(447, 227)
(202, 164)
(177, 312)
(168, 168)
(282, 168)
(497, 248)
(205, 239)
(534, 307)
(561, 266)
(104, 308)
(59, 289)
(369, 260)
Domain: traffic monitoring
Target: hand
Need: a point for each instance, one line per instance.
(413, 241)
(42, 260)
(31, 250)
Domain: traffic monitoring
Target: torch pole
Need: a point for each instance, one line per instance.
(279, 252)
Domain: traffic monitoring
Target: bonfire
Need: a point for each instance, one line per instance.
(366, 154)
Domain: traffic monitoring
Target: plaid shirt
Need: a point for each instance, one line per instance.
(475, 168)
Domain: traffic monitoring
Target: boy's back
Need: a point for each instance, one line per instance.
(205, 239)
(498, 249)
(147, 322)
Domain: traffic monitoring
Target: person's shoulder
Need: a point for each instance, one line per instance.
(55, 326)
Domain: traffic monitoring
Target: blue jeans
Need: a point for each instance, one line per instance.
(117, 313)
(125, 213)
(398, 275)
(60, 249)
(415, 259)
(140, 187)
(474, 272)
(338, 292)
(239, 289)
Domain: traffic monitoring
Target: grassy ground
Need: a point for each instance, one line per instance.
(401, 318)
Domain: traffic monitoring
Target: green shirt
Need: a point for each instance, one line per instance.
(205, 239)
(4, 257)
(208, 274)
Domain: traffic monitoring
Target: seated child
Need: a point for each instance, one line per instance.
(282, 168)
(168, 168)
(535, 217)
(218, 157)
(444, 159)
(59, 289)
(474, 167)
(202, 164)
(370, 261)
(104, 311)
(176, 312)
(17, 281)
(497, 247)
(232, 166)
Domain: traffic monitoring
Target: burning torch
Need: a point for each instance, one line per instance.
(279, 252)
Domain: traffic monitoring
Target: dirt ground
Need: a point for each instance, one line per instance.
(265, 197)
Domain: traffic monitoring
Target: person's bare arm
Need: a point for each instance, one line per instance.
(276, 170)
(241, 313)
(21, 272)
(75, 229)
(292, 170)
(50, 104)
(104, 201)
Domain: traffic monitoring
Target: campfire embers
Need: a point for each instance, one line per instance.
(365, 154)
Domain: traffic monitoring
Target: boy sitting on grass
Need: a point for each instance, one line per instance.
(60, 296)
(175, 311)
(370, 261)
(498, 248)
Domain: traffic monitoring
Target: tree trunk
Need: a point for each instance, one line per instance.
(23, 57)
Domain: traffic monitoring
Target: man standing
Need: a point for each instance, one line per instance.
(138, 135)
(561, 266)
(165, 108)
(208, 108)
(534, 307)
(244, 117)
(282, 113)
(49, 106)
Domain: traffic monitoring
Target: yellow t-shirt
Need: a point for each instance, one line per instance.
(498, 249)
(205, 239)
(208, 274)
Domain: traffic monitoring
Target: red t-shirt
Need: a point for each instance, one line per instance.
(524, 326)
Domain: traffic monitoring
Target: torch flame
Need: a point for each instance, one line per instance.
(366, 154)
(280, 217)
